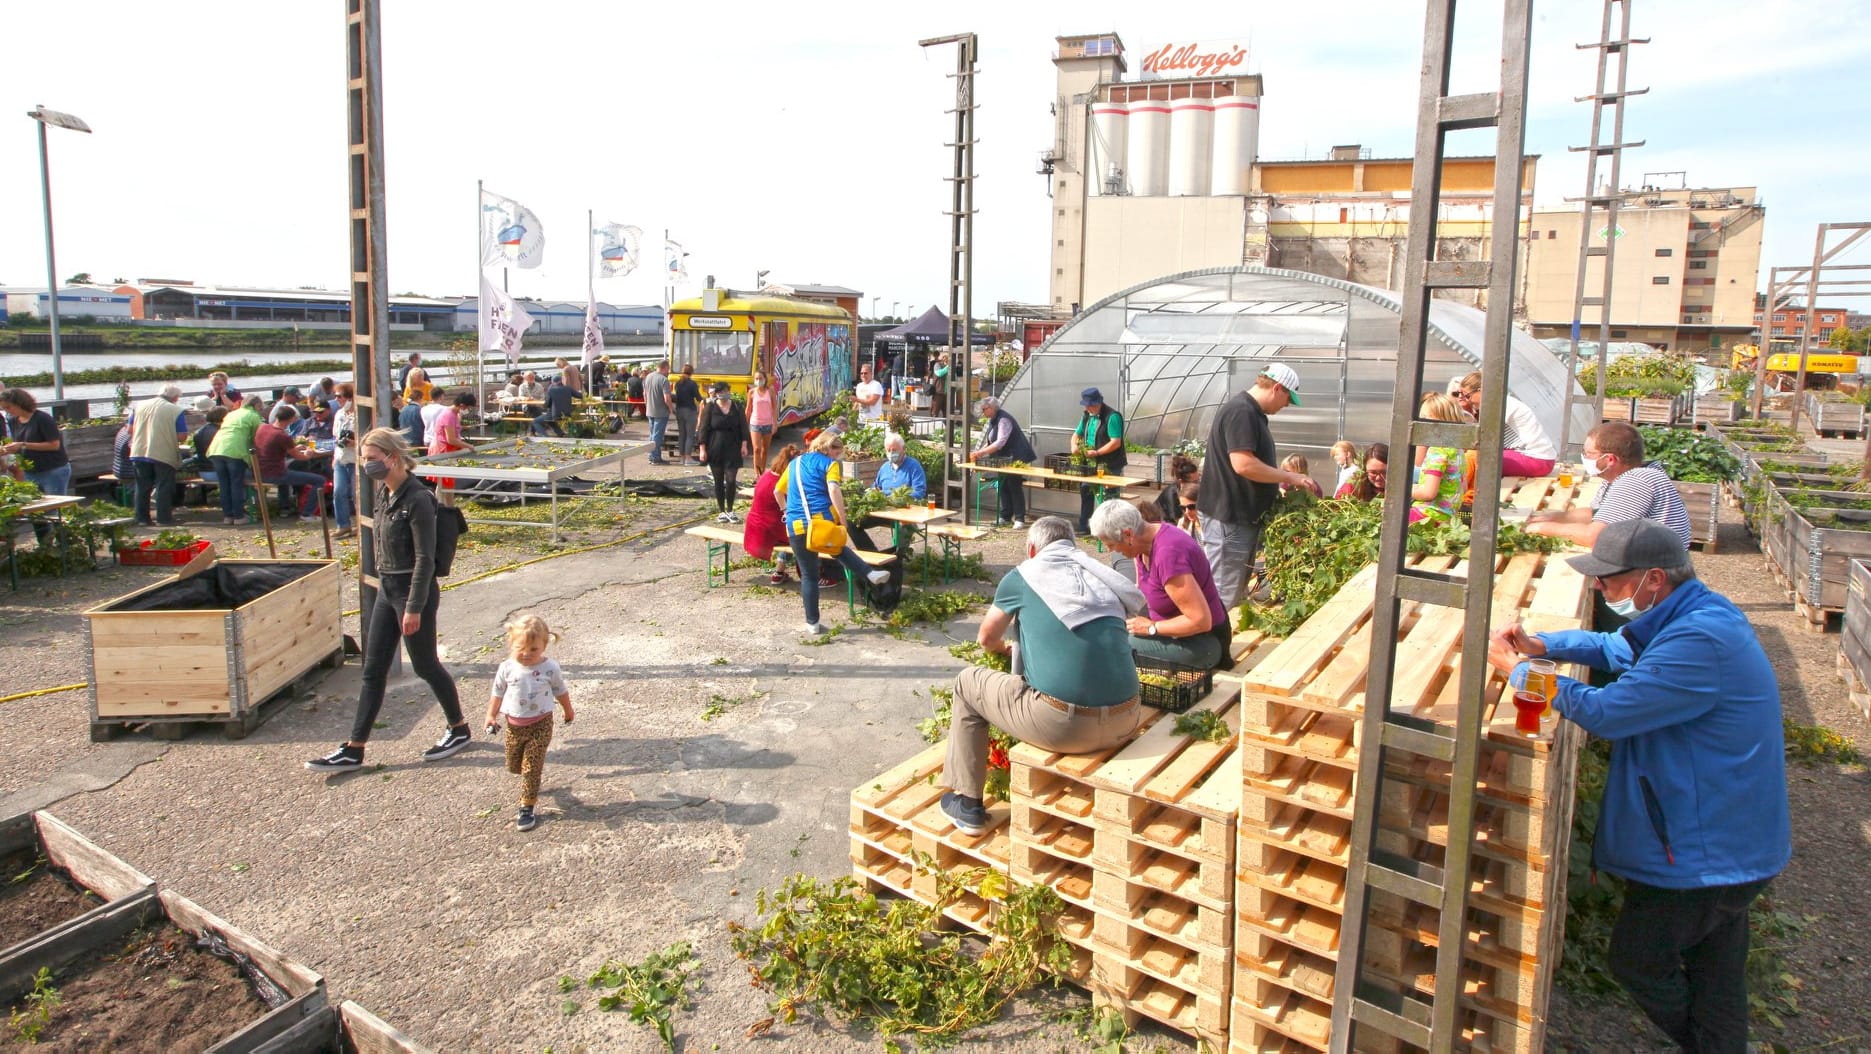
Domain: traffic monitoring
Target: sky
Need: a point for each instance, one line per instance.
(807, 140)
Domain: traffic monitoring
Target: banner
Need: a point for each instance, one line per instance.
(502, 323)
(675, 261)
(617, 249)
(511, 235)
(594, 337)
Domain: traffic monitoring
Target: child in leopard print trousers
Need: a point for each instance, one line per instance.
(525, 687)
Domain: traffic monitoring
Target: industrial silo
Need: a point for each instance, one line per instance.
(1236, 138)
(1190, 127)
(1147, 147)
(1109, 123)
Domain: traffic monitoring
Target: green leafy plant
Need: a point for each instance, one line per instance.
(650, 991)
(719, 705)
(1816, 743)
(936, 607)
(31, 1019)
(1689, 456)
(974, 654)
(831, 949)
(1658, 374)
(861, 502)
(1202, 724)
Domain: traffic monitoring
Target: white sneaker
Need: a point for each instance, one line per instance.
(1018, 525)
(722, 517)
(879, 577)
(813, 629)
(731, 518)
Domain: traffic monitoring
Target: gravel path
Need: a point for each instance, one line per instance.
(406, 885)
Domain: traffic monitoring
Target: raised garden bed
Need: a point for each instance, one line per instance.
(1835, 414)
(1810, 538)
(1855, 636)
(1718, 411)
(162, 974)
(1704, 502)
(55, 878)
(215, 643)
(362, 1032)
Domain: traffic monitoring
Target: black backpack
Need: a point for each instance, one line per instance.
(450, 525)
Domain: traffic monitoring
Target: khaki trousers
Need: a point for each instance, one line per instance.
(984, 697)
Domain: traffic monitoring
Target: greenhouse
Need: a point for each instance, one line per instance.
(1168, 352)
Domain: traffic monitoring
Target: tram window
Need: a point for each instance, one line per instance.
(727, 353)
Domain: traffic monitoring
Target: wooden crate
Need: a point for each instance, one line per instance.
(1833, 414)
(1811, 553)
(113, 881)
(1855, 636)
(211, 665)
(300, 1024)
(1301, 718)
(362, 1032)
(1704, 502)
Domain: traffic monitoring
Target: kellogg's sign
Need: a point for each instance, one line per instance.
(1201, 58)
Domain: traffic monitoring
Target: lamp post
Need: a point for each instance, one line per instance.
(895, 310)
(874, 301)
(62, 120)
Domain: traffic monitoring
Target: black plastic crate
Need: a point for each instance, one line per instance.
(1062, 464)
(994, 461)
(1185, 685)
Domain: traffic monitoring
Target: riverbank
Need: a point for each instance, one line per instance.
(81, 339)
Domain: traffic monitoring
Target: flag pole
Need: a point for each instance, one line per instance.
(480, 353)
(669, 300)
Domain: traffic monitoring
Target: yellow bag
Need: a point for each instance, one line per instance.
(824, 537)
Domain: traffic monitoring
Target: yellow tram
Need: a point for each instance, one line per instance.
(805, 348)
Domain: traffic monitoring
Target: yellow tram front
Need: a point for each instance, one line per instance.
(804, 348)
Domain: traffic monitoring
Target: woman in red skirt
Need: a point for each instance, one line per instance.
(765, 535)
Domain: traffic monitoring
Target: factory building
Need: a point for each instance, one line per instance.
(1161, 174)
(74, 302)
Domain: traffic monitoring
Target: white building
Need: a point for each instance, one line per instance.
(75, 302)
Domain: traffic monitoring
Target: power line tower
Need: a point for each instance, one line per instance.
(1363, 997)
(1613, 44)
(958, 423)
(370, 293)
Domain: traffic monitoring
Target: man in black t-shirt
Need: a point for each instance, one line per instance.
(1241, 478)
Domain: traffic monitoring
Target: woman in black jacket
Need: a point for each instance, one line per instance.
(723, 439)
(1169, 501)
(407, 599)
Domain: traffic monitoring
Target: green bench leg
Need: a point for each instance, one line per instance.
(951, 558)
(722, 549)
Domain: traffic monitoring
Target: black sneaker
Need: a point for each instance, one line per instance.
(448, 746)
(526, 821)
(345, 757)
(965, 813)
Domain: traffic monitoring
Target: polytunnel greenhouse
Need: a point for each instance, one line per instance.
(1168, 352)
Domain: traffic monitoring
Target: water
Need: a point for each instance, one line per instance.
(272, 368)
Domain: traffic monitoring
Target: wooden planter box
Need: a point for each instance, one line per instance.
(1813, 552)
(1855, 635)
(88, 447)
(362, 1032)
(1657, 411)
(207, 661)
(1704, 502)
(1833, 415)
(1723, 411)
(115, 882)
(301, 1025)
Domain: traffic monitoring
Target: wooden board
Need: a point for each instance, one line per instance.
(369, 1034)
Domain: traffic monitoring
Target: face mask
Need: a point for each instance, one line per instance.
(895, 456)
(376, 470)
(760, 382)
(1592, 469)
(1627, 608)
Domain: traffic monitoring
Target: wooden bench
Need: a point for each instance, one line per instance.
(721, 541)
(952, 536)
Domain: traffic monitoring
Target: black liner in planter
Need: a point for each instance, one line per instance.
(222, 587)
(1191, 685)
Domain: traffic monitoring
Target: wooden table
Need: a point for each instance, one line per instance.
(52, 506)
(917, 519)
(1044, 474)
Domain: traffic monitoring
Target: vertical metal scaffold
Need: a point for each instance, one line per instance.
(1362, 998)
(370, 293)
(1613, 43)
(958, 409)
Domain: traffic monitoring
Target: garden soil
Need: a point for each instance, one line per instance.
(35, 898)
(406, 885)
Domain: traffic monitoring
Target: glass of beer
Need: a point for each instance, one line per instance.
(1527, 709)
(1543, 677)
(932, 504)
(1565, 475)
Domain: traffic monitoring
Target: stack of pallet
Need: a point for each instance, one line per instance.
(1138, 841)
(1301, 709)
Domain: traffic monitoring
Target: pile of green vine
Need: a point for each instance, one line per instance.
(832, 949)
(1312, 547)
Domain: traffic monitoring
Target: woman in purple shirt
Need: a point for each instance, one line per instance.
(1185, 623)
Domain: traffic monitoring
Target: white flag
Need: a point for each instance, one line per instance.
(617, 248)
(502, 322)
(594, 337)
(510, 234)
(675, 262)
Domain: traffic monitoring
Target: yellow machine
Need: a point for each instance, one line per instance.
(1743, 356)
(805, 348)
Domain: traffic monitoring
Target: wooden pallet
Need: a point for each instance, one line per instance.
(1301, 712)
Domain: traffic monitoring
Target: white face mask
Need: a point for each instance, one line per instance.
(1592, 468)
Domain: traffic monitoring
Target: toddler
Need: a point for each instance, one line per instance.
(1294, 463)
(525, 687)
(1345, 456)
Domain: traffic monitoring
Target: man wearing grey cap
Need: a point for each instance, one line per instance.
(1241, 477)
(1694, 816)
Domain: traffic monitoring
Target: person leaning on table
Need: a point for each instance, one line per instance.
(1694, 815)
(1077, 689)
(408, 600)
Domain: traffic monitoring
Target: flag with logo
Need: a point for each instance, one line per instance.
(594, 336)
(676, 262)
(502, 323)
(617, 248)
(511, 236)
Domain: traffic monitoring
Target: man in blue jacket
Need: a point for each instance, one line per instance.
(1694, 816)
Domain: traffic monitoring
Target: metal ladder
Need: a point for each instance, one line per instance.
(958, 411)
(1362, 998)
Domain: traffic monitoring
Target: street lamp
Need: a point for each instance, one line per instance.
(760, 280)
(895, 311)
(62, 120)
(874, 301)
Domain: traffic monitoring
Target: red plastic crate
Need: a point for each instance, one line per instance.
(146, 557)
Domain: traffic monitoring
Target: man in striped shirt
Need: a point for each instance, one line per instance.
(1614, 452)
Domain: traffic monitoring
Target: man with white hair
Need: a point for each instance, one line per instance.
(1001, 435)
(1077, 689)
(158, 431)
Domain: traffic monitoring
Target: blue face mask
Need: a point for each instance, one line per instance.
(1627, 608)
(895, 456)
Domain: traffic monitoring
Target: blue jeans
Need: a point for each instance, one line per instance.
(658, 426)
(50, 481)
(154, 478)
(231, 474)
(311, 481)
(344, 494)
(809, 573)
